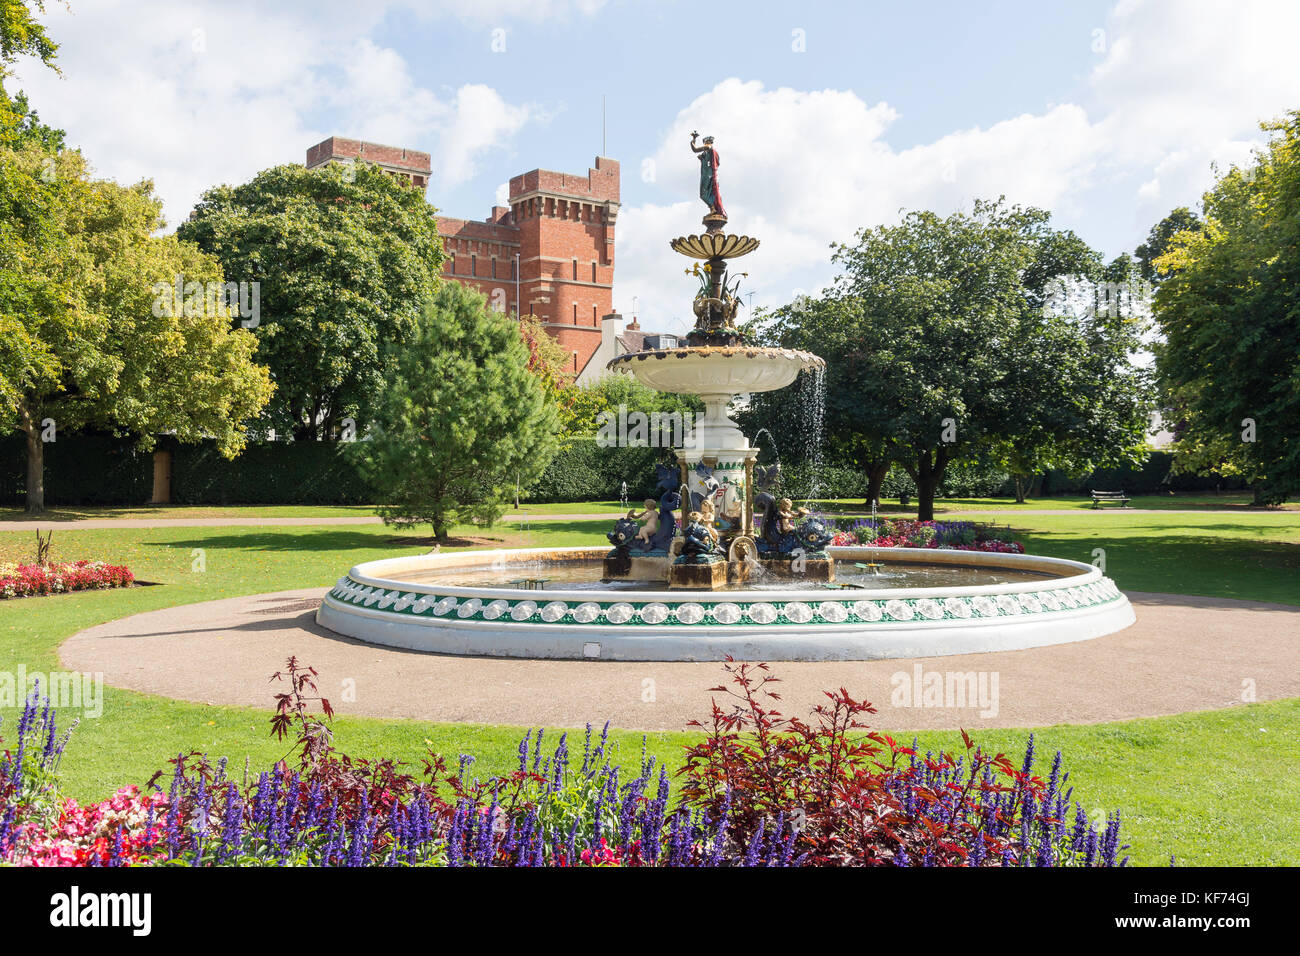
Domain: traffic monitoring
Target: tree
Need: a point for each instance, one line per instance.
(85, 338)
(856, 431)
(1229, 309)
(602, 400)
(459, 419)
(1079, 403)
(1161, 237)
(940, 344)
(20, 35)
(344, 257)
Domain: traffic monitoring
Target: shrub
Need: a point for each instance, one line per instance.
(582, 470)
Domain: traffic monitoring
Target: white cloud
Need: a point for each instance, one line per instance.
(1180, 87)
(198, 93)
(801, 170)
(480, 121)
(500, 12)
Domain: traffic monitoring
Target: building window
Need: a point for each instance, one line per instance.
(575, 269)
(593, 270)
(575, 313)
(473, 265)
(594, 320)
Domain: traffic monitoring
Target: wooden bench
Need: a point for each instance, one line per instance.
(1100, 498)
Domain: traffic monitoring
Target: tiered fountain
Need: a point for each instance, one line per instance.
(705, 577)
(717, 545)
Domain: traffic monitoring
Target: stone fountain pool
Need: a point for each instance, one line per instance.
(477, 603)
(719, 565)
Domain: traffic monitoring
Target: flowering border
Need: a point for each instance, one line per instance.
(34, 580)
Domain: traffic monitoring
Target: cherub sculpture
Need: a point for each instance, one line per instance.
(651, 518)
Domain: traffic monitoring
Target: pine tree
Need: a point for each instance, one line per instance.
(460, 419)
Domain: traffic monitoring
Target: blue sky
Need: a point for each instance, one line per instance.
(829, 117)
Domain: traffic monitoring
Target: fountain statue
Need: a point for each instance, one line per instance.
(716, 460)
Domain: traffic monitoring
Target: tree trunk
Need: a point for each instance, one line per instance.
(925, 485)
(35, 461)
(876, 474)
(1020, 489)
(929, 474)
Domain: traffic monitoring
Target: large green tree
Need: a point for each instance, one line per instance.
(85, 337)
(20, 35)
(345, 257)
(1077, 400)
(1229, 311)
(942, 343)
(1160, 238)
(460, 418)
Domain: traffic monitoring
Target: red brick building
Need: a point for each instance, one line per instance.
(550, 253)
(410, 164)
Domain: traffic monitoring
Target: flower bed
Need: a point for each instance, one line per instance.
(759, 789)
(905, 533)
(28, 580)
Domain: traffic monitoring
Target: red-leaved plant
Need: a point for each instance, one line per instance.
(854, 796)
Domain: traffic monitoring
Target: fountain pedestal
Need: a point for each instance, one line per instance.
(818, 570)
(636, 567)
(704, 576)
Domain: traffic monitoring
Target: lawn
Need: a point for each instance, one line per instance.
(1216, 787)
(67, 513)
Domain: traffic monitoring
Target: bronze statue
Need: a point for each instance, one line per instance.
(708, 174)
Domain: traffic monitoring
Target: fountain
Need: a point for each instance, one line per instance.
(719, 566)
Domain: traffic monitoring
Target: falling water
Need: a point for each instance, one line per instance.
(771, 443)
(812, 413)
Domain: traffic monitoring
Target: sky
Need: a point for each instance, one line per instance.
(828, 117)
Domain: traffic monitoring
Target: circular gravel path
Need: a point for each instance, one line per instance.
(1183, 654)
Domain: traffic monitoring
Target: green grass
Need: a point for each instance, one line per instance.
(175, 512)
(68, 513)
(1216, 787)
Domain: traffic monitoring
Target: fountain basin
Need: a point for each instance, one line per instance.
(723, 371)
(1047, 601)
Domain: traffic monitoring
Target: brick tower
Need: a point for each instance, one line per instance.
(550, 253)
(559, 229)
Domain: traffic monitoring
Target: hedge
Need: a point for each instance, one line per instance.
(79, 470)
(281, 473)
(92, 469)
(104, 470)
(584, 471)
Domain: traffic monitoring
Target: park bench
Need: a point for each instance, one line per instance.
(1100, 498)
